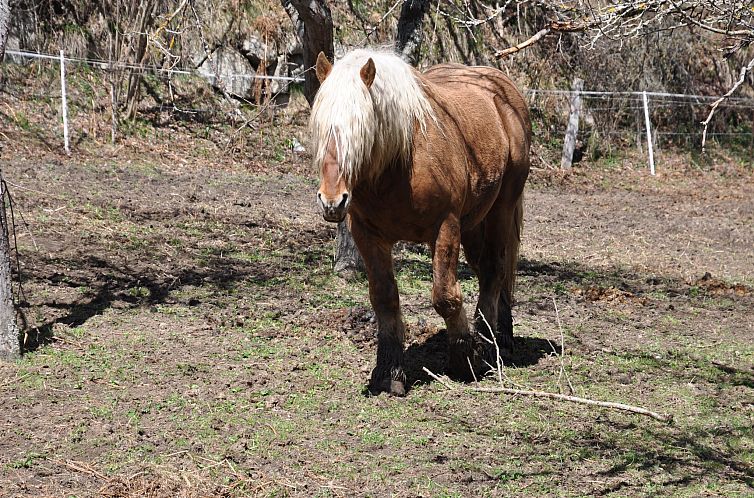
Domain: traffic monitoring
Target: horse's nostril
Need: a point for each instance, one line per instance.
(343, 200)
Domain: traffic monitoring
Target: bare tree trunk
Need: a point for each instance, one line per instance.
(144, 21)
(572, 130)
(348, 260)
(410, 29)
(313, 22)
(10, 347)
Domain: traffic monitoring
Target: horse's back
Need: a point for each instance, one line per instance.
(490, 117)
(463, 85)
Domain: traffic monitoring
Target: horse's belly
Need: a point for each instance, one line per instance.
(484, 195)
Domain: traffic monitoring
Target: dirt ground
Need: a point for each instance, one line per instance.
(186, 335)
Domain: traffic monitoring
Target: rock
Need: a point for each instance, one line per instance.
(296, 146)
(233, 70)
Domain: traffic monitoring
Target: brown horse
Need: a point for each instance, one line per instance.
(438, 157)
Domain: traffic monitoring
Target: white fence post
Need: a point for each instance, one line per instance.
(649, 133)
(64, 104)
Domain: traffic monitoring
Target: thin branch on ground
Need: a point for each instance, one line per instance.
(560, 356)
(81, 467)
(560, 397)
(541, 394)
(14, 380)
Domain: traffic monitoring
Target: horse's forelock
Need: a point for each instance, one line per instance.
(372, 127)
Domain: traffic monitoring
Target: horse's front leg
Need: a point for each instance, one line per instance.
(388, 375)
(464, 351)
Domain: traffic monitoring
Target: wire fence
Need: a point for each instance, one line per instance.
(648, 120)
(104, 64)
(629, 116)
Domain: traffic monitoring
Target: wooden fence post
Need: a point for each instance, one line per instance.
(569, 144)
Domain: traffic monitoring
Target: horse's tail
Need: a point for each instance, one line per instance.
(511, 244)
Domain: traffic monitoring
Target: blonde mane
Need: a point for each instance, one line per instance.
(372, 127)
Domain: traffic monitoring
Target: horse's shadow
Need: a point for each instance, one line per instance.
(432, 354)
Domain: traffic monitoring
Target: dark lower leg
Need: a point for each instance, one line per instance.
(465, 352)
(505, 325)
(388, 374)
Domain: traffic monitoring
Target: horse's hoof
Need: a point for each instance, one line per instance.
(391, 381)
(465, 361)
(392, 387)
(397, 388)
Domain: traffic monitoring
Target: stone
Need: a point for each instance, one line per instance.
(233, 70)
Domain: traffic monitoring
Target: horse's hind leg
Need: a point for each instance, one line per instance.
(497, 261)
(388, 375)
(464, 353)
(489, 271)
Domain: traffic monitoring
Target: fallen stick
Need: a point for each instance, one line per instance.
(81, 467)
(563, 397)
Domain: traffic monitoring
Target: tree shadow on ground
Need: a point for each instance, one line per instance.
(680, 453)
(109, 284)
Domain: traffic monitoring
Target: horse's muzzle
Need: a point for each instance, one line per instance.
(334, 210)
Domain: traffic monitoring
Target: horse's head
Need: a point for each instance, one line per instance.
(334, 196)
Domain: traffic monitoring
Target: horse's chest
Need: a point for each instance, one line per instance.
(403, 211)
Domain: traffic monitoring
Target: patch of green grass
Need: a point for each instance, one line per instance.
(372, 438)
(139, 292)
(27, 461)
(267, 322)
(253, 256)
(671, 320)
(136, 127)
(104, 412)
(22, 121)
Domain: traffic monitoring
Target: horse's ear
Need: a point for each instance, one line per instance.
(323, 67)
(367, 73)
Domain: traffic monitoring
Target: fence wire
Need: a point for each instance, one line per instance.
(605, 113)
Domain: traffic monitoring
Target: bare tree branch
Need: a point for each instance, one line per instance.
(713, 107)
(517, 48)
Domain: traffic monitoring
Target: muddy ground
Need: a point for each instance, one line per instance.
(186, 335)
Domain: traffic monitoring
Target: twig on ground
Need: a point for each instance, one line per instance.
(560, 356)
(15, 380)
(81, 467)
(562, 397)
